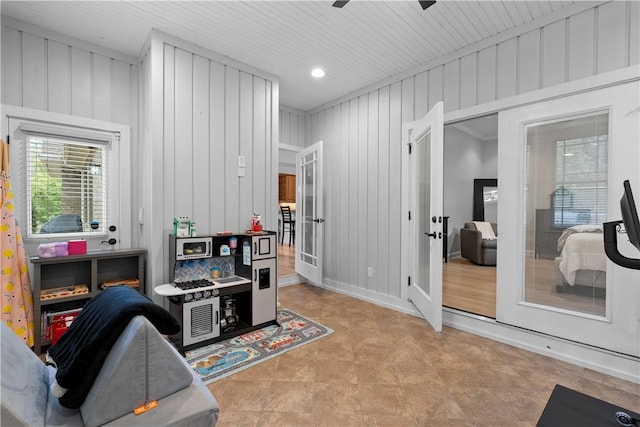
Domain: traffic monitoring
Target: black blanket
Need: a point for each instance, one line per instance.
(82, 349)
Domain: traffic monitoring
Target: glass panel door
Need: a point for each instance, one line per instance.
(566, 204)
(423, 165)
(309, 215)
(561, 165)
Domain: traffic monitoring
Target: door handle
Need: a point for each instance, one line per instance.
(319, 220)
(431, 234)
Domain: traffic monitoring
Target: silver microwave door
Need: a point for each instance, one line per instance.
(193, 248)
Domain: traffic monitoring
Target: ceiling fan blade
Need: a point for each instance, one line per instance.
(424, 4)
(340, 3)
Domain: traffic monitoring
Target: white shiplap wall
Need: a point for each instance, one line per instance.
(362, 132)
(46, 71)
(293, 128)
(52, 72)
(200, 112)
(294, 134)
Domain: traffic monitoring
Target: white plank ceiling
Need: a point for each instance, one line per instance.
(358, 45)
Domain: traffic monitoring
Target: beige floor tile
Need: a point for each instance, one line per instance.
(336, 398)
(384, 368)
(383, 399)
(331, 419)
(285, 419)
(287, 396)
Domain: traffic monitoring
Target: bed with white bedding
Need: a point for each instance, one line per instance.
(582, 263)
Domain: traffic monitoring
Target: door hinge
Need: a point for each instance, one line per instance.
(409, 281)
(409, 215)
(409, 144)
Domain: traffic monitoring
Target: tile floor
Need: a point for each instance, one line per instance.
(384, 368)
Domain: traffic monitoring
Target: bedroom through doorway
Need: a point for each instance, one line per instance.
(469, 270)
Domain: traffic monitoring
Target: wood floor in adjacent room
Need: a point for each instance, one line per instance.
(469, 287)
(385, 368)
(286, 260)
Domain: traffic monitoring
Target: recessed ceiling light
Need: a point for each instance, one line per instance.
(317, 73)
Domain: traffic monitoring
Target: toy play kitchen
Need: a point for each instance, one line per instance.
(221, 285)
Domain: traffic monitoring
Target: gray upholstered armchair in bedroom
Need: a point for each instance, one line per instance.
(477, 248)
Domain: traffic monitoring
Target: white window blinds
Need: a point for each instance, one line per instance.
(67, 178)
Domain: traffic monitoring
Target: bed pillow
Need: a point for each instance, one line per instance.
(585, 228)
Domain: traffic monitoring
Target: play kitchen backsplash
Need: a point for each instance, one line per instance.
(199, 268)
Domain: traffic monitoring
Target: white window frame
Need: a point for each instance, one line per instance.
(119, 175)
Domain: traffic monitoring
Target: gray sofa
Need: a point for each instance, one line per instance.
(476, 249)
(141, 367)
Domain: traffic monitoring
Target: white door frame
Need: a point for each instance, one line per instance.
(429, 304)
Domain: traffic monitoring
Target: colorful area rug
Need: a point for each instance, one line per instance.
(219, 360)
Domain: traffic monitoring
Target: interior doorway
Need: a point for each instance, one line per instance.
(469, 267)
(286, 235)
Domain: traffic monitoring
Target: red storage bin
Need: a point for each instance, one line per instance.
(60, 323)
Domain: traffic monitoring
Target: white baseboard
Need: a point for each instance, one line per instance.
(292, 279)
(601, 360)
(607, 362)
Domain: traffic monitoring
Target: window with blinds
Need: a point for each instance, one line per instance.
(581, 180)
(66, 185)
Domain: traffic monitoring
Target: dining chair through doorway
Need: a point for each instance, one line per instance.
(287, 221)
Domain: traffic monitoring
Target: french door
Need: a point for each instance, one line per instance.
(422, 142)
(562, 163)
(309, 213)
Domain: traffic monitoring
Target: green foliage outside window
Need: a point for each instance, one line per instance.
(46, 197)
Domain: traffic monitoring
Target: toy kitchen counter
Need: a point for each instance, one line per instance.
(221, 286)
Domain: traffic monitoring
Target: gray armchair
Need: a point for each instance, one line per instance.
(476, 249)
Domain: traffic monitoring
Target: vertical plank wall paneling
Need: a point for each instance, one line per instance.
(553, 53)
(212, 113)
(373, 260)
(361, 212)
(72, 78)
(168, 195)
(34, 72)
(611, 45)
(101, 87)
(352, 220)
(216, 138)
(49, 75)
(528, 76)
(58, 77)
(451, 86)
(293, 127)
(633, 17)
(581, 49)
(384, 210)
(81, 95)
(257, 163)
(594, 41)
(486, 82)
(200, 135)
(468, 81)
(395, 187)
(11, 66)
(229, 192)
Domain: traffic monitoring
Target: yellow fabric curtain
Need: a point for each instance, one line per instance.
(17, 297)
